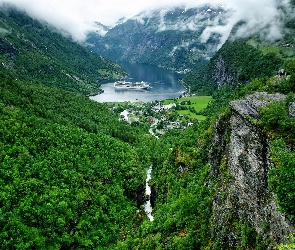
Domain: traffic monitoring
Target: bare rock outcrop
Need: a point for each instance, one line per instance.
(245, 213)
(292, 109)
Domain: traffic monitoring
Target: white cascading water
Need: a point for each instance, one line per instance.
(147, 206)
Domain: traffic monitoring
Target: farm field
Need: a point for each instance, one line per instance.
(190, 114)
(196, 102)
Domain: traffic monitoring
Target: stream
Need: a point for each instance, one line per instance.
(147, 206)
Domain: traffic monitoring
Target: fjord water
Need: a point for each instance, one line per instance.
(164, 84)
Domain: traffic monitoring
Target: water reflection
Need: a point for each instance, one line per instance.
(164, 84)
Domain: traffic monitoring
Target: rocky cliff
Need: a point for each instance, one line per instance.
(245, 213)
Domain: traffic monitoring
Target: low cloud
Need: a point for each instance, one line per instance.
(79, 17)
(264, 17)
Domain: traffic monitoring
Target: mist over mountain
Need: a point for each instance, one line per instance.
(80, 17)
(169, 37)
(35, 50)
(73, 174)
(248, 55)
(182, 38)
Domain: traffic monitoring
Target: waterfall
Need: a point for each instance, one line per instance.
(147, 206)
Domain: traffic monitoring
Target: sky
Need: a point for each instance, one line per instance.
(78, 16)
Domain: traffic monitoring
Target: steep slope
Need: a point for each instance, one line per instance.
(227, 182)
(31, 50)
(71, 172)
(167, 38)
(241, 60)
(246, 212)
(236, 62)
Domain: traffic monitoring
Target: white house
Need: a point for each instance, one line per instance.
(124, 116)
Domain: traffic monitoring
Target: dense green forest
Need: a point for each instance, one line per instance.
(72, 174)
(236, 62)
(33, 50)
(70, 171)
(185, 185)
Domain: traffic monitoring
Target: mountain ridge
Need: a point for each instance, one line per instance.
(71, 171)
(31, 49)
(167, 38)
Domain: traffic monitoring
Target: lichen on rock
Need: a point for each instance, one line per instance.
(243, 202)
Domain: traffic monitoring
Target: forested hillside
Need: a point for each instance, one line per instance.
(236, 62)
(71, 173)
(210, 198)
(31, 50)
(241, 60)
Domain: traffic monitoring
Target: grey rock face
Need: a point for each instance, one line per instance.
(221, 74)
(292, 109)
(252, 103)
(242, 195)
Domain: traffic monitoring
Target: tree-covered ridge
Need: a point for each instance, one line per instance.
(69, 179)
(33, 50)
(185, 183)
(70, 172)
(236, 62)
(242, 60)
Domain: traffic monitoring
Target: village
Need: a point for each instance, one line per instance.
(162, 116)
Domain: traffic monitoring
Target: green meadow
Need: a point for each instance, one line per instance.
(196, 102)
(190, 114)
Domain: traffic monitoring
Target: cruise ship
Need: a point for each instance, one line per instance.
(125, 85)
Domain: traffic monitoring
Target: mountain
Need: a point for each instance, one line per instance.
(173, 38)
(237, 62)
(72, 175)
(101, 29)
(31, 50)
(169, 38)
(241, 60)
(71, 172)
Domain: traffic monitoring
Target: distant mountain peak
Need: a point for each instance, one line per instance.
(101, 29)
(167, 37)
